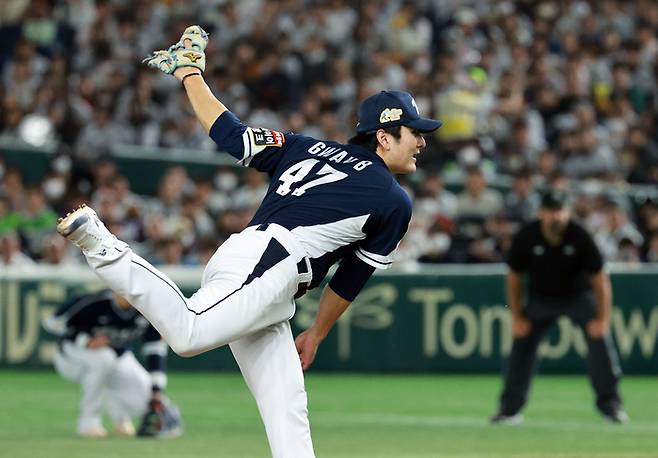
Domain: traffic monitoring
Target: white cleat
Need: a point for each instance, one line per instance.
(95, 432)
(87, 232)
(125, 428)
(618, 416)
(509, 420)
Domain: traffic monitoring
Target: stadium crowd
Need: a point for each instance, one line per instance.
(561, 93)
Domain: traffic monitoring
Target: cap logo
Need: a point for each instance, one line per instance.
(413, 102)
(390, 114)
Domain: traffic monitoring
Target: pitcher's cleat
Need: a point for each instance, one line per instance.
(87, 232)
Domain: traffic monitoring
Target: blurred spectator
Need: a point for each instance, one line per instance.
(522, 202)
(432, 225)
(477, 200)
(168, 251)
(586, 156)
(618, 237)
(425, 243)
(97, 136)
(54, 187)
(433, 199)
(206, 249)
(564, 92)
(628, 252)
(219, 196)
(185, 132)
(251, 194)
(12, 114)
(231, 221)
(411, 31)
(129, 201)
(138, 112)
(57, 252)
(163, 218)
(651, 254)
(37, 220)
(9, 220)
(198, 217)
(648, 217)
(10, 251)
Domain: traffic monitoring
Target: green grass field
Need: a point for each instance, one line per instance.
(351, 416)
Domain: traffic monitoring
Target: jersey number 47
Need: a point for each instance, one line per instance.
(298, 172)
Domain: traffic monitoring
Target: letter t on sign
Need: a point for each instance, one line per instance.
(430, 299)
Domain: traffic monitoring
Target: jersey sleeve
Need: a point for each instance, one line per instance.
(256, 147)
(385, 230)
(350, 277)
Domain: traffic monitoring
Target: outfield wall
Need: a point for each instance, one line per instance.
(443, 319)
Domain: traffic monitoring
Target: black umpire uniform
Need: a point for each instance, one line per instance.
(565, 277)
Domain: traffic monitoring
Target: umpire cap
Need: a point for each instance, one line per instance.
(554, 199)
(390, 109)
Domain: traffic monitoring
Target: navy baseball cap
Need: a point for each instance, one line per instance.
(390, 109)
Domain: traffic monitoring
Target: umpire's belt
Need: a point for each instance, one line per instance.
(303, 266)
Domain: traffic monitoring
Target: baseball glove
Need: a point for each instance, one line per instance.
(162, 420)
(187, 52)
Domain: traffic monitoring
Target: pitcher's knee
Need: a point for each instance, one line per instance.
(184, 351)
(185, 348)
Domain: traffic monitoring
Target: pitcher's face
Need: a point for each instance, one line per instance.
(402, 152)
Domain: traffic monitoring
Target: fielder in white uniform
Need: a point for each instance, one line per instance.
(326, 203)
(96, 332)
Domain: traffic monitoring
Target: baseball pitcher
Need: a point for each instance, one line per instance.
(327, 203)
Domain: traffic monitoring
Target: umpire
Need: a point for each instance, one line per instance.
(565, 276)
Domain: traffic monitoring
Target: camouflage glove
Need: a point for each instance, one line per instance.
(180, 55)
(161, 420)
(197, 36)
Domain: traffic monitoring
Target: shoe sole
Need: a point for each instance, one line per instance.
(72, 221)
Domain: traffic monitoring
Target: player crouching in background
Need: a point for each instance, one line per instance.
(95, 333)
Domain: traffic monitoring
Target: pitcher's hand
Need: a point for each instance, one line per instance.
(186, 53)
(307, 345)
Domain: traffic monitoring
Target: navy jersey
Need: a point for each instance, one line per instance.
(337, 199)
(91, 315)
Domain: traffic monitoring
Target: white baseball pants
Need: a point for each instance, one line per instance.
(118, 382)
(245, 300)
